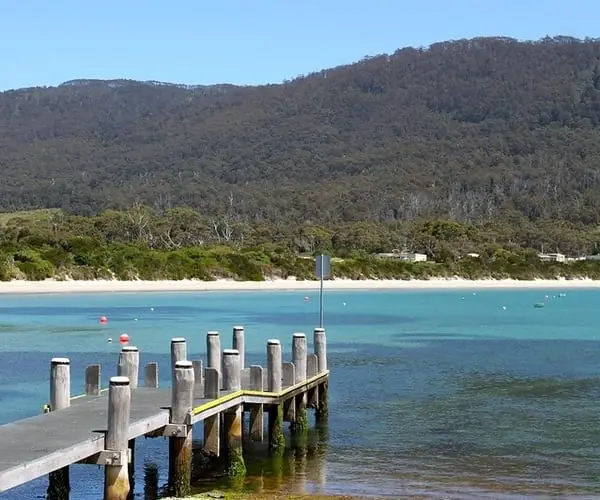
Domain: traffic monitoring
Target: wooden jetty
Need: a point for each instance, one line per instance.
(100, 426)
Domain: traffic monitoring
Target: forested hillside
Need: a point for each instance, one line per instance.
(470, 130)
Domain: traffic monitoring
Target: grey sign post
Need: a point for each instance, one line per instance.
(323, 270)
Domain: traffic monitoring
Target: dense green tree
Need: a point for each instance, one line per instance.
(468, 130)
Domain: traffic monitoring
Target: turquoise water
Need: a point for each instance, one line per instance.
(443, 394)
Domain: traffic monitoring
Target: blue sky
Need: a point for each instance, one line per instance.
(253, 41)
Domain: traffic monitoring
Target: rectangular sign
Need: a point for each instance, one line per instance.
(323, 266)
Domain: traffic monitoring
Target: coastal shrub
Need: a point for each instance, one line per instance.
(33, 266)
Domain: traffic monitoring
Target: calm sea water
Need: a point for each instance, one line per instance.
(453, 394)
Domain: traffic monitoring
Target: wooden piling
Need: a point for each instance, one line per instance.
(232, 374)
(213, 350)
(212, 441)
(289, 405)
(129, 364)
(60, 383)
(178, 353)
(116, 477)
(198, 376)
(257, 411)
(150, 481)
(322, 412)
(299, 358)
(60, 397)
(151, 375)
(320, 349)
(275, 430)
(180, 445)
(232, 418)
(131, 469)
(92, 380)
(274, 374)
(311, 370)
(238, 344)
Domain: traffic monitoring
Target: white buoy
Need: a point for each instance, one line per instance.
(343, 303)
(152, 308)
(109, 340)
(504, 308)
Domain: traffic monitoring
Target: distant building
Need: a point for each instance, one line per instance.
(552, 257)
(404, 255)
(593, 257)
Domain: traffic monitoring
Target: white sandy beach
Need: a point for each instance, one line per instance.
(102, 286)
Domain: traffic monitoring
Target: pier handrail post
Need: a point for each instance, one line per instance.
(299, 356)
(239, 344)
(320, 349)
(212, 426)
(321, 399)
(60, 398)
(178, 353)
(151, 375)
(213, 352)
(60, 383)
(232, 418)
(256, 411)
(274, 373)
(232, 374)
(180, 445)
(129, 365)
(92, 380)
(116, 477)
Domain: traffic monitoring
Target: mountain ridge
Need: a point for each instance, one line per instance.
(469, 130)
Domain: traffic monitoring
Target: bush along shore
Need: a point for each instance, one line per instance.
(81, 259)
(181, 244)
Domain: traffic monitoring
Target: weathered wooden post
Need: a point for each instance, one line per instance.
(274, 379)
(92, 380)
(274, 365)
(129, 364)
(256, 413)
(180, 441)
(151, 375)
(60, 398)
(299, 354)
(232, 381)
(198, 368)
(116, 477)
(320, 347)
(299, 358)
(212, 428)
(238, 344)
(131, 469)
(151, 481)
(289, 378)
(311, 371)
(213, 350)
(178, 353)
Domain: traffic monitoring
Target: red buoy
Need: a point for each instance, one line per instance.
(124, 338)
(103, 320)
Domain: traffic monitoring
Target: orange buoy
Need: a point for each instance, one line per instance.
(124, 338)
(103, 320)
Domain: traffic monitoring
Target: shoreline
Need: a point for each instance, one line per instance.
(138, 286)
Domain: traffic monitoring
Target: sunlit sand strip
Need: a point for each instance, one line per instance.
(100, 286)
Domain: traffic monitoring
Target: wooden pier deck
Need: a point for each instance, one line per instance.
(36, 446)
